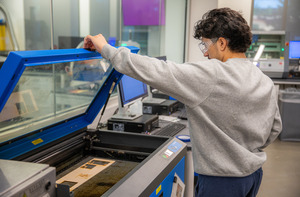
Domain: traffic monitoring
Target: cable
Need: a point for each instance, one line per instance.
(113, 85)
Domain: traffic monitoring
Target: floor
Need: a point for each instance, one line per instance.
(281, 170)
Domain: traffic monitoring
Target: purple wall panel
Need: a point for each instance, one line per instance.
(143, 12)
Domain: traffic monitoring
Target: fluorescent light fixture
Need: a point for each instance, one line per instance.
(258, 54)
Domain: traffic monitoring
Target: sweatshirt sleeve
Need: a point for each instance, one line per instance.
(276, 129)
(189, 83)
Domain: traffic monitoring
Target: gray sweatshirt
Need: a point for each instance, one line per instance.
(231, 107)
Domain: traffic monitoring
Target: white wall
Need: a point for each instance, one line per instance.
(66, 17)
(244, 6)
(196, 8)
(200, 7)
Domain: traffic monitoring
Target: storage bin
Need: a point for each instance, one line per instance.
(289, 105)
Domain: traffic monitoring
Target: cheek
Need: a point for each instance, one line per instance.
(211, 54)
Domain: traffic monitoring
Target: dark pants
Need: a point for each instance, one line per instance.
(214, 186)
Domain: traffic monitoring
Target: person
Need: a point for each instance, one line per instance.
(231, 105)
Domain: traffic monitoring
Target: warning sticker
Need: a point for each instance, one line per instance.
(167, 154)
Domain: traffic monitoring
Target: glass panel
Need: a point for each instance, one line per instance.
(144, 25)
(268, 15)
(48, 94)
(72, 21)
(104, 18)
(154, 26)
(37, 24)
(24, 25)
(66, 32)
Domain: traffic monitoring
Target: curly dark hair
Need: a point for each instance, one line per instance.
(226, 23)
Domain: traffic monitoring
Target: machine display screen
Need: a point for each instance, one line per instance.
(294, 50)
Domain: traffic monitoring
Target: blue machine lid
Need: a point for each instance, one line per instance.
(46, 95)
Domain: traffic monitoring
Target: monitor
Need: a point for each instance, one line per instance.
(129, 90)
(294, 50)
(69, 42)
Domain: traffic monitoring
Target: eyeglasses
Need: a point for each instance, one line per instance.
(204, 46)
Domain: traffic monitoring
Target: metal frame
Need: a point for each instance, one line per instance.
(10, 74)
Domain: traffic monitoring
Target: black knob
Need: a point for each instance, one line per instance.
(48, 185)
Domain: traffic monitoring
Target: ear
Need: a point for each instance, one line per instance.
(222, 42)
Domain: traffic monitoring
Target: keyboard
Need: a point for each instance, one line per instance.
(170, 129)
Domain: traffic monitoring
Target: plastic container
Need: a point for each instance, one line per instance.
(289, 105)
